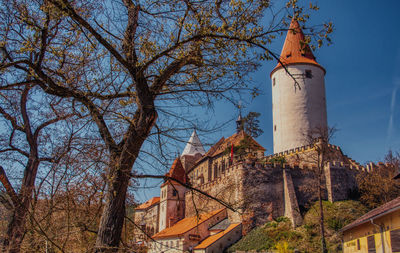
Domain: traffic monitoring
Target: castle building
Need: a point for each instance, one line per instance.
(237, 186)
(147, 216)
(298, 94)
(172, 199)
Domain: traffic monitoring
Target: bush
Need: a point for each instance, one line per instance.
(279, 234)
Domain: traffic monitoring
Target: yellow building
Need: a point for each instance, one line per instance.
(376, 231)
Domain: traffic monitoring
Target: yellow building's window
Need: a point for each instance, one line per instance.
(395, 240)
(371, 244)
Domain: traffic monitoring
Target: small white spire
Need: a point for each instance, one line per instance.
(194, 145)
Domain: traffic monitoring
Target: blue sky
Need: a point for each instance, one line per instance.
(363, 75)
(362, 80)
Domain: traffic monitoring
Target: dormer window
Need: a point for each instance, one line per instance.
(288, 55)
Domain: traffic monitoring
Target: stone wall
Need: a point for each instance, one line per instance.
(262, 192)
(305, 184)
(227, 187)
(343, 184)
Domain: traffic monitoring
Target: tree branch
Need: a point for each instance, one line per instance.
(12, 120)
(66, 7)
(9, 189)
(47, 123)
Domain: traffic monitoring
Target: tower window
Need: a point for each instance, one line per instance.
(308, 73)
(274, 127)
(174, 193)
(273, 82)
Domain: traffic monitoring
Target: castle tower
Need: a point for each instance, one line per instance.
(298, 110)
(192, 152)
(172, 197)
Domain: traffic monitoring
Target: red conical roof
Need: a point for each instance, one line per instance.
(294, 49)
(177, 171)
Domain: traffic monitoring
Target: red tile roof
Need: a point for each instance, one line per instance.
(294, 49)
(149, 203)
(185, 225)
(223, 143)
(177, 171)
(213, 238)
(235, 139)
(375, 213)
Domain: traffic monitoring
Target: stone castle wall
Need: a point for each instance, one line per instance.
(260, 192)
(342, 183)
(263, 194)
(227, 187)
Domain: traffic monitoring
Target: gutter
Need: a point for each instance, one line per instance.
(382, 229)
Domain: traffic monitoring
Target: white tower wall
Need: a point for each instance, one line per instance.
(297, 112)
(172, 205)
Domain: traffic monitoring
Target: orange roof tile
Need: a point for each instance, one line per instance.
(149, 203)
(213, 238)
(211, 151)
(177, 171)
(186, 225)
(235, 140)
(223, 143)
(294, 49)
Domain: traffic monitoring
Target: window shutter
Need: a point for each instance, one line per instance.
(371, 244)
(395, 240)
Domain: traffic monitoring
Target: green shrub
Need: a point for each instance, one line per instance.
(279, 234)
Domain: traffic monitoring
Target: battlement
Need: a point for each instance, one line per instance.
(336, 159)
(299, 150)
(334, 164)
(356, 166)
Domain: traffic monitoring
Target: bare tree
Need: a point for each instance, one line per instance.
(319, 139)
(31, 141)
(379, 186)
(134, 66)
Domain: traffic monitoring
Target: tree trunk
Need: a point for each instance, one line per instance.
(112, 218)
(16, 227)
(16, 230)
(321, 213)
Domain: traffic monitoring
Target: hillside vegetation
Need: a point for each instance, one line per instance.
(279, 234)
